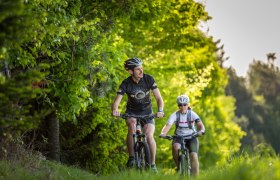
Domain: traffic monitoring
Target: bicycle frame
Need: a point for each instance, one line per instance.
(183, 153)
(183, 158)
(141, 147)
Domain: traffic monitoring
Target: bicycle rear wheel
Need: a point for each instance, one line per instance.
(144, 157)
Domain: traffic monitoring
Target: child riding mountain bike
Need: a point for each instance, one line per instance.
(187, 123)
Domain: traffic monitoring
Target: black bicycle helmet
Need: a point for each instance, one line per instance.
(132, 63)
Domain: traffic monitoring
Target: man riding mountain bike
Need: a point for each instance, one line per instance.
(137, 87)
(185, 119)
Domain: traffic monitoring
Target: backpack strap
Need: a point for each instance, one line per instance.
(189, 118)
(177, 119)
(189, 114)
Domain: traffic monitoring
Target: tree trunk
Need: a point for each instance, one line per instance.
(53, 136)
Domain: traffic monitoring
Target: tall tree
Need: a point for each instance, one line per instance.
(245, 110)
(264, 83)
(17, 95)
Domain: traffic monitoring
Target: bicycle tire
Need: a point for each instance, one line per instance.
(182, 165)
(188, 165)
(144, 157)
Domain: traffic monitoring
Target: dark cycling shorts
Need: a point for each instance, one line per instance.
(192, 144)
(142, 113)
(148, 121)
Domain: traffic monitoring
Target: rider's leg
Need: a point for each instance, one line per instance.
(194, 163)
(131, 130)
(194, 146)
(175, 149)
(149, 132)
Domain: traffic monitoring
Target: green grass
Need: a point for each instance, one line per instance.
(42, 170)
(51, 170)
(239, 167)
(245, 167)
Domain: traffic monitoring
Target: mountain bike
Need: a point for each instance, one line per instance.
(142, 155)
(183, 153)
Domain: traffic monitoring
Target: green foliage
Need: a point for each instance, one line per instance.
(165, 25)
(225, 133)
(17, 99)
(237, 87)
(264, 79)
(197, 74)
(244, 108)
(257, 101)
(100, 138)
(264, 84)
(18, 110)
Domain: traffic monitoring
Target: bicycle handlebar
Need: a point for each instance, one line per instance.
(169, 137)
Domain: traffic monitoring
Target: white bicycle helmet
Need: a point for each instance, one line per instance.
(132, 63)
(183, 99)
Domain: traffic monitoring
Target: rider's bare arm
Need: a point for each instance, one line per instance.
(165, 130)
(201, 128)
(115, 106)
(160, 102)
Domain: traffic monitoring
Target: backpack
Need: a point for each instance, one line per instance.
(188, 119)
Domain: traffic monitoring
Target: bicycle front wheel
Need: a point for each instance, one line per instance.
(144, 157)
(183, 168)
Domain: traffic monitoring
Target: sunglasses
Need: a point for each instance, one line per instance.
(182, 105)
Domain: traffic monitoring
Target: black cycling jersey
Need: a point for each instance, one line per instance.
(139, 100)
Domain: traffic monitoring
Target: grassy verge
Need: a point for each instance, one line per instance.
(51, 170)
(239, 167)
(245, 167)
(42, 170)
